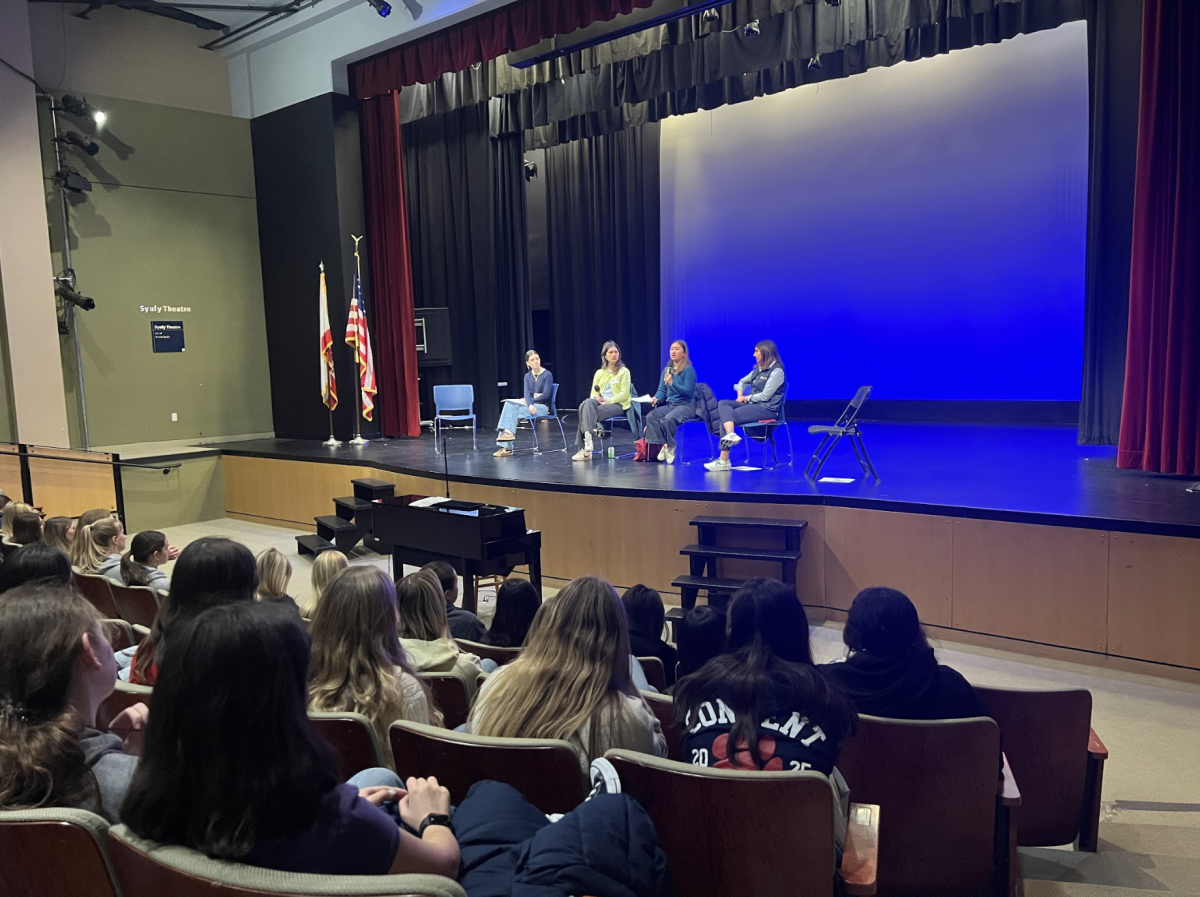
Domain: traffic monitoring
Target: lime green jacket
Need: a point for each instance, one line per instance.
(620, 385)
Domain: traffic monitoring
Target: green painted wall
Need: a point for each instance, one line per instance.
(194, 492)
(170, 221)
(8, 420)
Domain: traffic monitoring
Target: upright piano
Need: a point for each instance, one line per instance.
(476, 539)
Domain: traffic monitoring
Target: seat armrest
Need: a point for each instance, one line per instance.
(1096, 748)
(1008, 794)
(860, 859)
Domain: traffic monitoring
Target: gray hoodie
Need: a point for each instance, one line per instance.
(110, 567)
(112, 767)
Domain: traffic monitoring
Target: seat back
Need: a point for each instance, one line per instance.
(450, 695)
(553, 400)
(145, 869)
(454, 397)
(1045, 736)
(767, 834)
(125, 694)
(663, 707)
(54, 853)
(121, 635)
(935, 783)
(656, 673)
(135, 604)
(500, 655)
(854, 407)
(545, 770)
(352, 738)
(97, 590)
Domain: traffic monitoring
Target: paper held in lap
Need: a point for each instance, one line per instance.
(645, 398)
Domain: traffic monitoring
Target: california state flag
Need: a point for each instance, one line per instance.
(328, 376)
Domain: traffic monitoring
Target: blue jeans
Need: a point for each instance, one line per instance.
(379, 775)
(512, 412)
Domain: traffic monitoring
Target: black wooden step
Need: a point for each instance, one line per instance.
(350, 505)
(748, 522)
(312, 545)
(708, 583)
(747, 554)
(369, 488)
(335, 524)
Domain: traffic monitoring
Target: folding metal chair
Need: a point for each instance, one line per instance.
(764, 431)
(455, 397)
(847, 425)
(553, 415)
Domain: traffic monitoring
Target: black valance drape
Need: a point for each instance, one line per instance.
(602, 197)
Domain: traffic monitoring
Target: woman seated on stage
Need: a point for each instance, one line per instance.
(673, 403)
(762, 704)
(573, 680)
(357, 662)
(148, 551)
(891, 670)
(539, 388)
(97, 547)
(758, 398)
(425, 632)
(610, 398)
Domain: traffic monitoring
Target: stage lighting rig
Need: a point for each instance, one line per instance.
(70, 179)
(531, 170)
(64, 288)
(814, 64)
(710, 15)
(74, 139)
(382, 7)
(752, 29)
(81, 108)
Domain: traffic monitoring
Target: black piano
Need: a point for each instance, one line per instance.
(476, 539)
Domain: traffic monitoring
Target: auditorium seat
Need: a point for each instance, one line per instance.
(97, 589)
(947, 813)
(1057, 758)
(146, 869)
(500, 655)
(656, 673)
(120, 635)
(124, 695)
(663, 707)
(135, 604)
(450, 695)
(54, 853)
(352, 738)
(545, 770)
(766, 834)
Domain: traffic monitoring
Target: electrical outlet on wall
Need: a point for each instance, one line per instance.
(174, 417)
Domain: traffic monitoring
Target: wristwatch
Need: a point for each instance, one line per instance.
(436, 819)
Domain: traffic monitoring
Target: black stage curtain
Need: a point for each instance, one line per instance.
(1114, 55)
(604, 254)
(448, 181)
(514, 305)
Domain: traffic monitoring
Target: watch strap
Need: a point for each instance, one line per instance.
(435, 819)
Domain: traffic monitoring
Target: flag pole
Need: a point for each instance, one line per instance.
(332, 441)
(358, 437)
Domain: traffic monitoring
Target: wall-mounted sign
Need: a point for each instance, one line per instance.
(167, 336)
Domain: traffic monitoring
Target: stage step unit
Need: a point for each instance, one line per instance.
(345, 534)
(310, 545)
(370, 489)
(350, 506)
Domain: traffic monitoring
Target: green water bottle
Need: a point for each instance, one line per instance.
(612, 453)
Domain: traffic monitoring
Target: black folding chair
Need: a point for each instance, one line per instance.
(831, 435)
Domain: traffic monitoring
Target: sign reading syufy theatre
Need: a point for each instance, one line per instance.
(167, 336)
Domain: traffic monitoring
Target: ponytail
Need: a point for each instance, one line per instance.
(92, 543)
(144, 545)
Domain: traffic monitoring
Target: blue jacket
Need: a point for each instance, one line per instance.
(682, 388)
(538, 389)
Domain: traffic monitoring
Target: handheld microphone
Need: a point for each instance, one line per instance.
(596, 388)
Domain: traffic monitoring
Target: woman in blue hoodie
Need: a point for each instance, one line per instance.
(673, 403)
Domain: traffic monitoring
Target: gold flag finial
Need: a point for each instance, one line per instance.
(322, 267)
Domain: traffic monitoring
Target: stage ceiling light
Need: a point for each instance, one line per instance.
(751, 29)
(72, 180)
(72, 137)
(710, 15)
(814, 64)
(87, 303)
(81, 108)
(382, 7)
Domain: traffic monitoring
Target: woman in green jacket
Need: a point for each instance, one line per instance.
(609, 398)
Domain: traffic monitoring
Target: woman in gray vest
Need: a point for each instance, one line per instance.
(759, 397)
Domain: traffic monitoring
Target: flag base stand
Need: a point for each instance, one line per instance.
(358, 440)
(331, 442)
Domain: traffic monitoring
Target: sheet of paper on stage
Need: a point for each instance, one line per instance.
(745, 467)
(645, 398)
(428, 502)
(836, 480)
(516, 401)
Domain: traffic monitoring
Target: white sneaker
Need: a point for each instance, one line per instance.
(733, 438)
(662, 454)
(719, 464)
(604, 778)
(582, 455)
(668, 454)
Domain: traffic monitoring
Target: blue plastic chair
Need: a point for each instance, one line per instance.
(553, 415)
(456, 397)
(764, 431)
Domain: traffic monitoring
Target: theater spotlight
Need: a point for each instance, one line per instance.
(81, 108)
(72, 180)
(710, 15)
(382, 7)
(87, 303)
(530, 170)
(814, 64)
(72, 137)
(751, 29)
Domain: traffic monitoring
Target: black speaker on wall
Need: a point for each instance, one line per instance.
(433, 337)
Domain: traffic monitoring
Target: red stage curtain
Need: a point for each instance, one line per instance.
(513, 27)
(1160, 414)
(391, 269)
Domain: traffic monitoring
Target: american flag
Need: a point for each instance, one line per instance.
(328, 375)
(358, 335)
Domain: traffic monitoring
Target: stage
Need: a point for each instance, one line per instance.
(1013, 535)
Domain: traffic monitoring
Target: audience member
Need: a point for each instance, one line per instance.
(644, 607)
(9, 515)
(357, 663)
(700, 636)
(87, 518)
(325, 567)
(210, 572)
(56, 667)
(59, 532)
(27, 528)
(274, 575)
(517, 602)
(35, 563)
(425, 634)
(97, 548)
(891, 670)
(4, 499)
(148, 551)
(463, 623)
(762, 704)
(573, 680)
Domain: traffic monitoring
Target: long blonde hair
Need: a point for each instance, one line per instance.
(422, 606)
(94, 543)
(274, 573)
(11, 510)
(327, 565)
(356, 651)
(574, 669)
